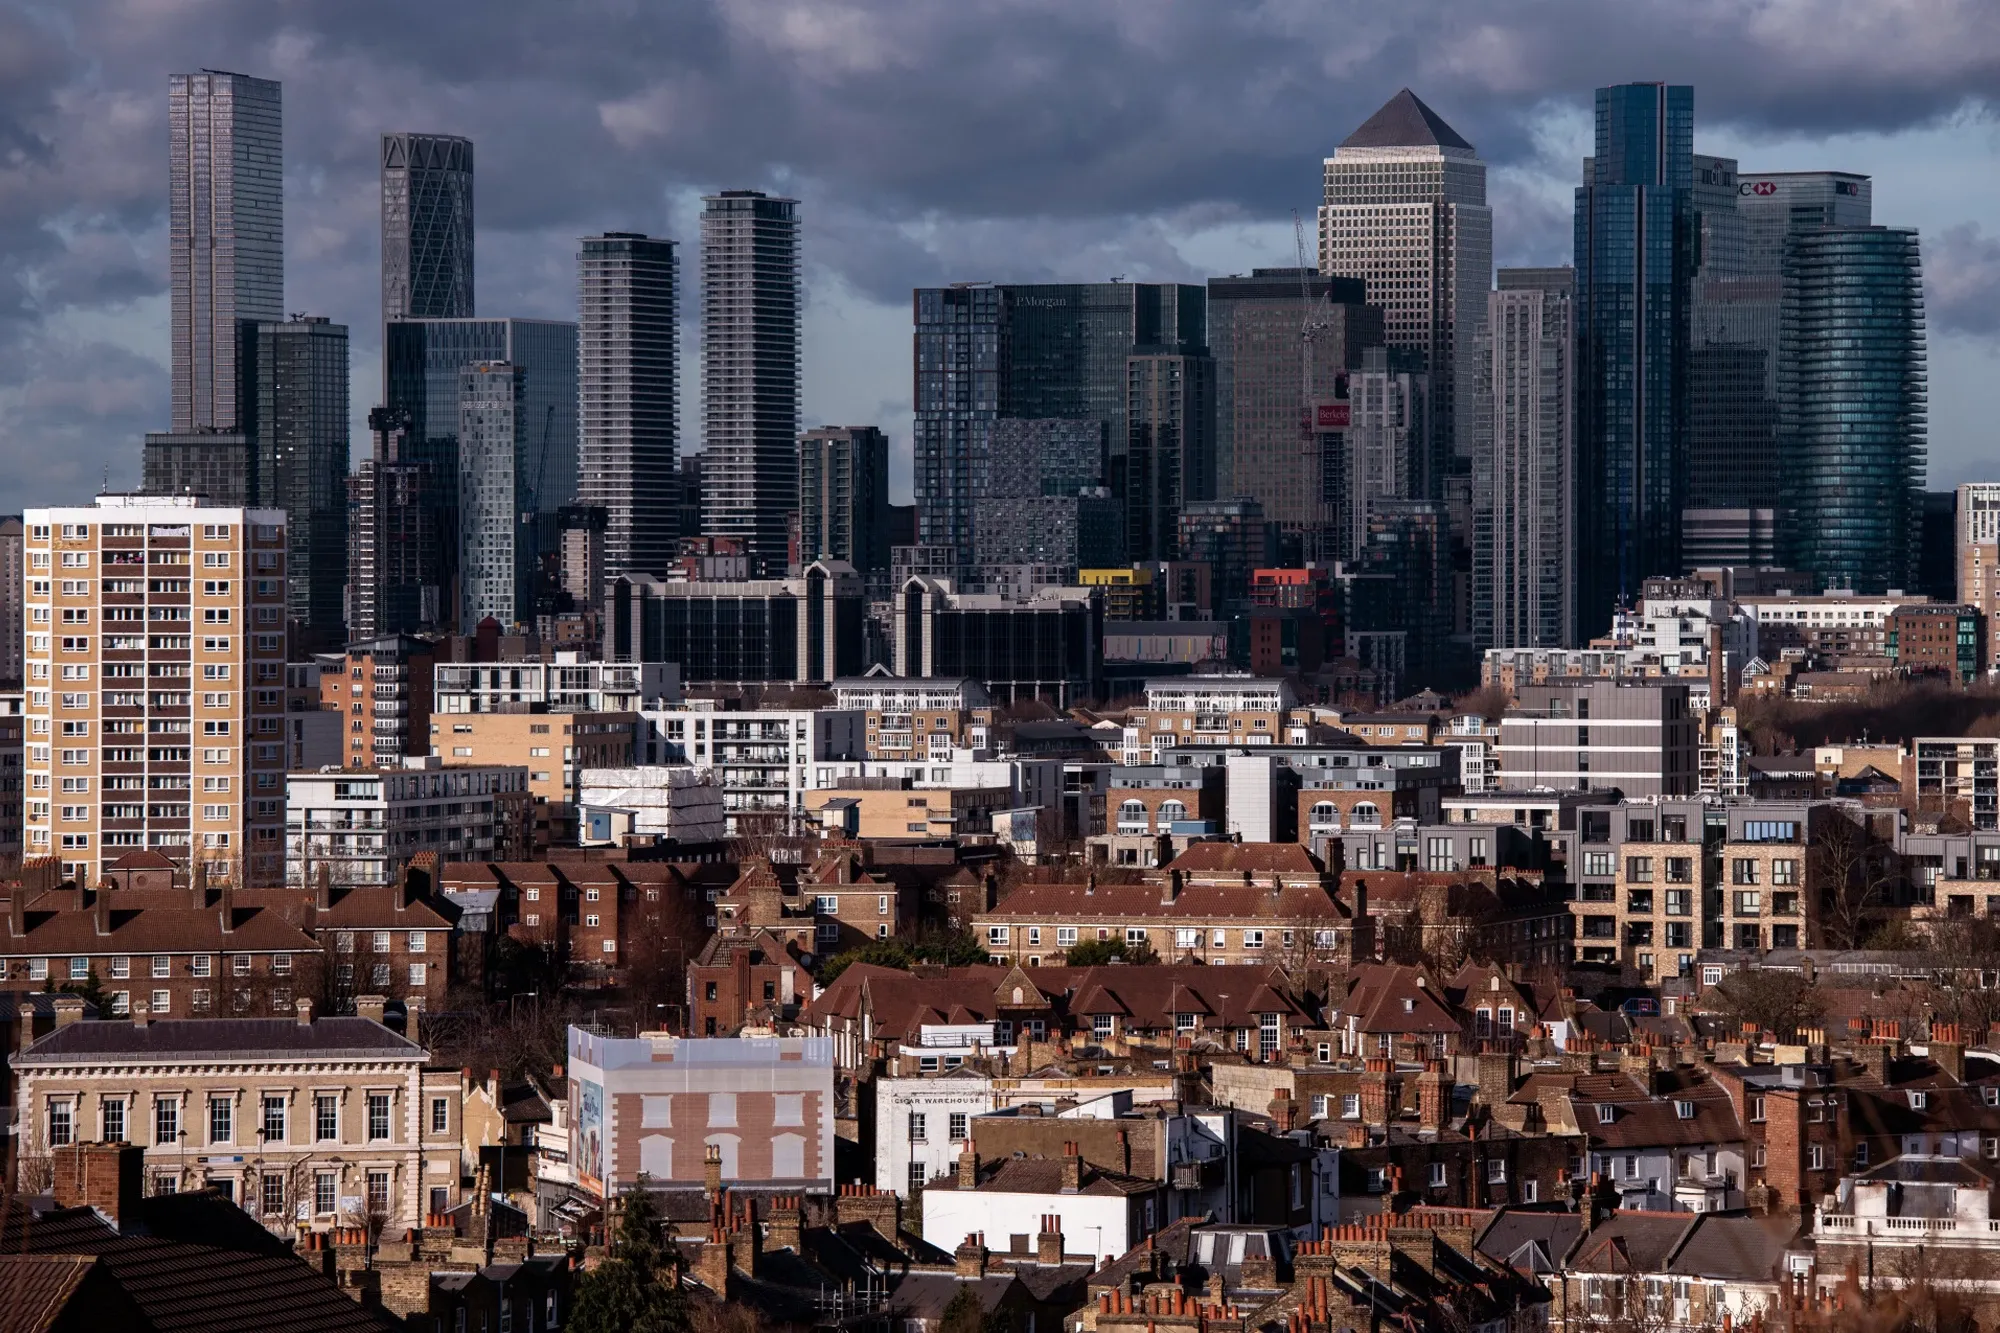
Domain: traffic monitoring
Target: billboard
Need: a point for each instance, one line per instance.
(588, 1152)
(1331, 416)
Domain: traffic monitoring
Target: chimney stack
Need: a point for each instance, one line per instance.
(1049, 1240)
(968, 1166)
(369, 1007)
(971, 1256)
(1072, 1168)
(305, 1011)
(142, 1013)
(711, 1172)
(104, 1176)
(69, 1009)
(100, 910)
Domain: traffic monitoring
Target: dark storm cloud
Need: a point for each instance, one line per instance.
(975, 139)
(1962, 280)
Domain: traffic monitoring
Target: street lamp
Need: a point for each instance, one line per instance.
(514, 1000)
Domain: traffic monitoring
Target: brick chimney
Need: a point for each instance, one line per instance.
(24, 1014)
(1170, 891)
(968, 1166)
(1948, 1050)
(323, 888)
(225, 906)
(1874, 1057)
(198, 885)
(1049, 1240)
(1376, 1101)
(1496, 1076)
(69, 1009)
(783, 1226)
(142, 1013)
(100, 910)
(1072, 1168)
(971, 1256)
(305, 1011)
(1433, 1097)
(370, 1007)
(711, 1172)
(711, 1263)
(106, 1176)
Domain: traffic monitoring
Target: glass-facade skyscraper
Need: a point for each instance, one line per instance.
(1635, 250)
(844, 497)
(496, 462)
(750, 304)
(986, 352)
(299, 447)
(225, 237)
(629, 339)
(1851, 405)
(426, 227)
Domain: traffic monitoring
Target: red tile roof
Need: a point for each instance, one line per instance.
(1262, 859)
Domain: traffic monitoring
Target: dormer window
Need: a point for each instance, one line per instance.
(1606, 1114)
(1409, 1006)
(1685, 1110)
(1919, 1100)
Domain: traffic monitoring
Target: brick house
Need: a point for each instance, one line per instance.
(759, 977)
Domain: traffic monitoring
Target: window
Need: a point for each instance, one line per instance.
(273, 1193)
(1639, 869)
(416, 941)
(199, 964)
(958, 1125)
(274, 1119)
(326, 1118)
(996, 935)
(378, 1192)
(1785, 872)
(379, 942)
(1253, 939)
(419, 975)
(1607, 1114)
(242, 964)
(221, 1120)
(1350, 1106)
(1684, 1110)
(1438, 1173)
(326, 1192)
(1598, 863)
(378, 1115)
(919, 1174)
(111, 1115)
(62, 1123)
(121, 968)
(166, 1120)
(1496, 1171)
(440, 1115)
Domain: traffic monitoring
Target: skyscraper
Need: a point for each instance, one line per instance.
(1776, 205)
(1635, 247)
(1284, 340)
(299, 429)
(844, 497)
(1405, 209)
(1523, 469)
(750, 371)
(1170, 445)
(194, 770)
(426, 227)
(629, 378)
(1851, 405)
(1041, 352)
(1389, 406)
(226, 236)
(399, 552)
(496, 548)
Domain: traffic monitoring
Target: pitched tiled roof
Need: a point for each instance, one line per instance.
(1298, 902)
(194, 1287)
(35, 1287)
(1631, 1242)
(1656, 1121)
(1262, 859)
(1529, 1239)
(1736, 1249)
(238, 1038)
(1391, 998)
(1043, 1175)
(143, 928)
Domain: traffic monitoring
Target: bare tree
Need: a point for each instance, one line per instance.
(1782, 1003)
(1961, 953)
(1852, 873)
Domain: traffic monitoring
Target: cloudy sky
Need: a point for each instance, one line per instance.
(930, 141)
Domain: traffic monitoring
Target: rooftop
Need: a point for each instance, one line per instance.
(234, 1038)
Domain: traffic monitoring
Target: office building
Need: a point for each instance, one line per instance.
(1777, 205)
(566, 685)
(12, 616)
(1388, 430)
(298, 373)
(1233, 538)
(155, 700)
(1405, 209)
(426, 227)
(750, 371)
(225, 236)
(1170, 445)
(764, 760)
(402, 542)
(1851, 406)
(581, 531)
(1977, 550)
(1728, 538)
(1939, 638)
(629, 378)
(363, 826)
(844, 496)
(807, 629)
(217, 466)
(496, 548)
(1937, 547)
(1524, 465)
(1048, 646)
(1283, 340)
(1732, 413)
(987, 352)
(1714, 190)
(1635, 246)
(1640, 739)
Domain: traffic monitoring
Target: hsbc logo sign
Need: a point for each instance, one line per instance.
(1757, 187)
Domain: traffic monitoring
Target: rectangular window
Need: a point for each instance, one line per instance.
(919, 1127)
(378, 1116)
(166, 1120)
(1437, 1175)
(112, 1116)
(273, 1194)
(62, 1125)
(419, 975)
(378, 1193)
(326, 1117)
(221, 1120)
(121, 968)
(440, 1116)
(274, 1119)
(958, 1124)
(326, 1192)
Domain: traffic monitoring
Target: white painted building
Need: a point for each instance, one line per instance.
(652, 803)
(364, 825)
(1033, 781)
(921, 1126)
(567, 684)
(765, 760)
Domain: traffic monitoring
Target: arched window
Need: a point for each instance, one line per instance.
(1131, 815)
(1171, 811)
(1324, 815)
(1366, 815)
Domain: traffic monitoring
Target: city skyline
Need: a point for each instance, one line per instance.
(1530, 137)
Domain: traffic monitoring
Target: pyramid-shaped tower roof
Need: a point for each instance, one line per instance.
(1405, 122)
